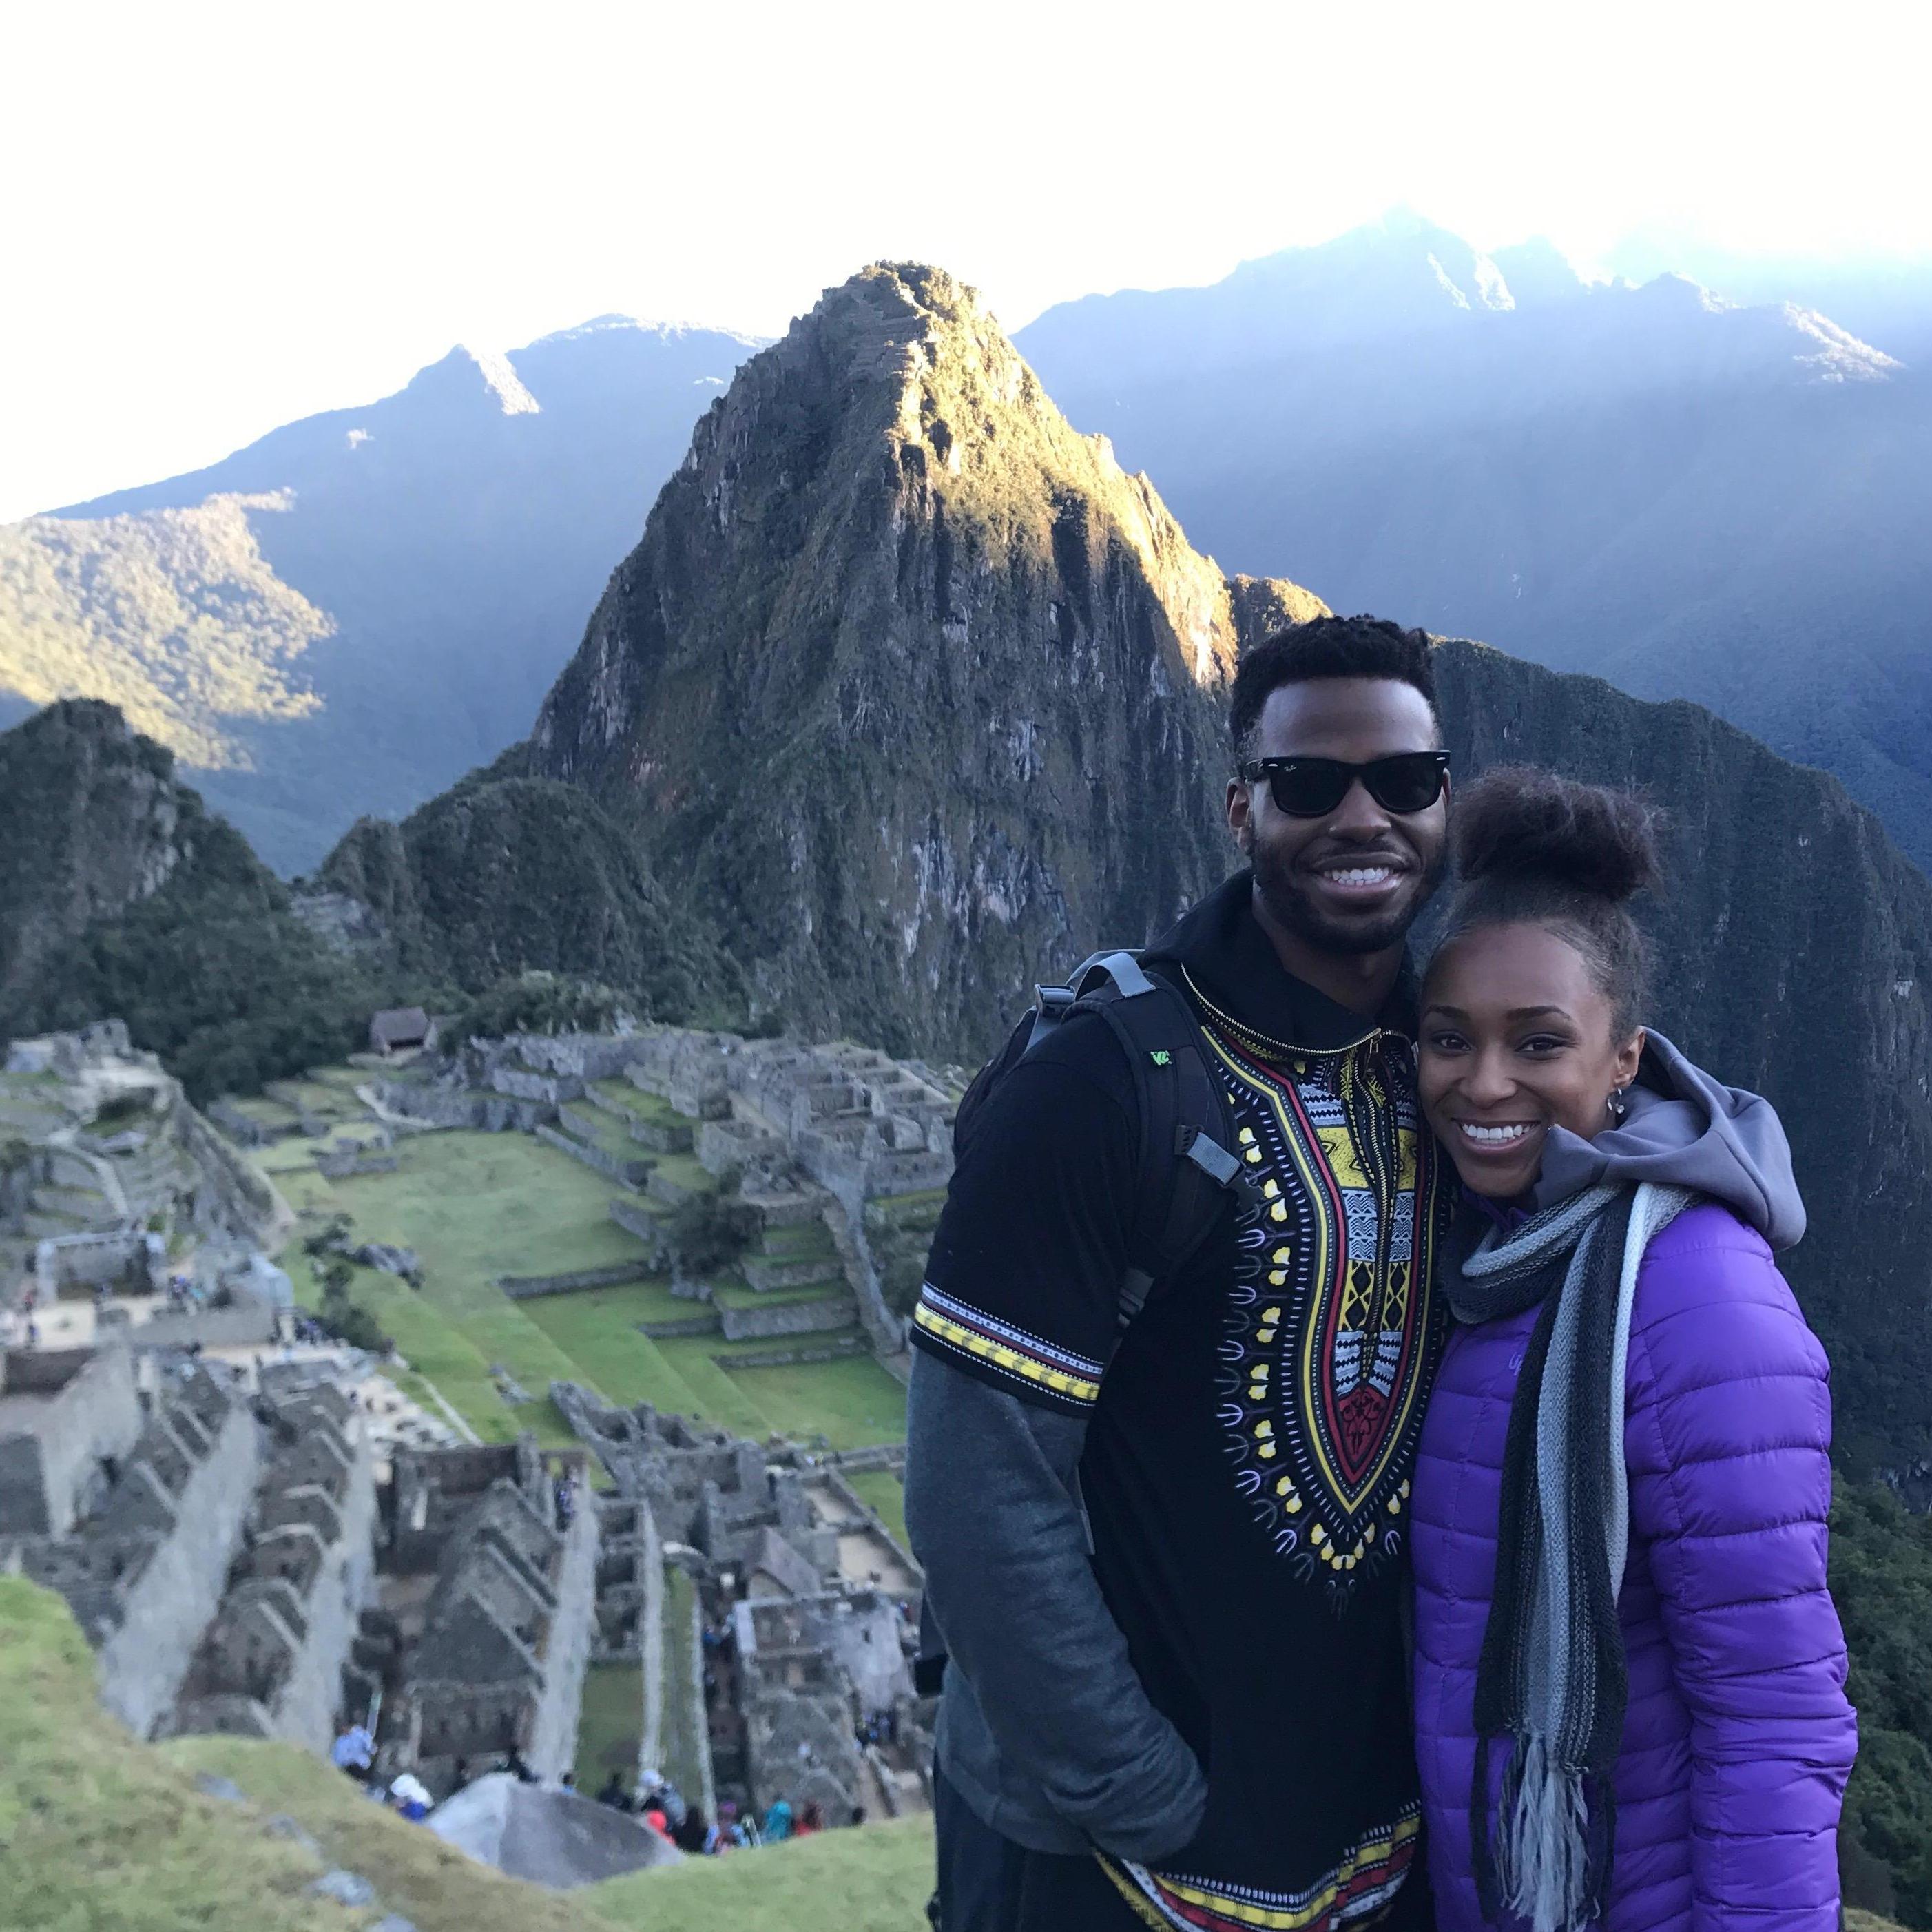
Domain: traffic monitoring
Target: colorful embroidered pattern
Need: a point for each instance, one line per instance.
(1362, 1883)
(1331, 1330)
(1026, 1357)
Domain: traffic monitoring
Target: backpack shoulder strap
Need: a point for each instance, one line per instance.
(1188, 1169)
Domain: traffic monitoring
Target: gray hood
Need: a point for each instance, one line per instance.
(1684, 1130)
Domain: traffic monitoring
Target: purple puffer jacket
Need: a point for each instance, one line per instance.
(1738, 1739)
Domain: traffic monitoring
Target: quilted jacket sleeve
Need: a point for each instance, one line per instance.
(1727, 1437)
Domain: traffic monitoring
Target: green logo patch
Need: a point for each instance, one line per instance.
(1159, 1057)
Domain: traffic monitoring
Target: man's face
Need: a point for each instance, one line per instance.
(1351, 882)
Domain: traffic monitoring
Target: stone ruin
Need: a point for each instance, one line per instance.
(839, 1133)
(812, 1602)
(142, 1497)
(486, 1612)
(105, 1170)
(238, 1566)
(271, 1662)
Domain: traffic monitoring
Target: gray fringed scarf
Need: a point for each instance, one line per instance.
(1552, 1681)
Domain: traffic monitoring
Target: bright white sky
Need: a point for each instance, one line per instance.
(220, 217)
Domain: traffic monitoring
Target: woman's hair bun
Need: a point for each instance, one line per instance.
(1516, 823)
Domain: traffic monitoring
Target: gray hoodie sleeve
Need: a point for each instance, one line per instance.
(990, 1500)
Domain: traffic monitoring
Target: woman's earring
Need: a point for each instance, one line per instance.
(1617, 1104)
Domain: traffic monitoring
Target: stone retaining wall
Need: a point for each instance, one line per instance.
(87, 1409)
(625, 1173)
(787, 1317)
(441, 1106)
(566, 1652)
(162, 1615)
(706, 1324)
(766, 1273)
(827, 1350)
(530, 1287)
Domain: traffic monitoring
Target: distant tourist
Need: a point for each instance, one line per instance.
(654, 1817)
(613, 1793)
(354, 1751)
(777, 1822)
(693, 1833)
(811, 1819)
(409, 1796)
(858, 1814)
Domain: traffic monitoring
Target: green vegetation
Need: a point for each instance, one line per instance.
(173, 615)
(504, 877)
(680, 1746)
(882, 1490)
(476, 1207)
(707, 1231)
(852, 1403)
(1882, 1579)
(900, 1232)
(99, 1833)
(536, 1002)
(211, 971)
(874, 1879)
(611, 1724)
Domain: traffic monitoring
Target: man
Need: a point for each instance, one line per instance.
(1203, 1724)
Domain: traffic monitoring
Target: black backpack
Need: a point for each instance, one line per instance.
(1188, 1168)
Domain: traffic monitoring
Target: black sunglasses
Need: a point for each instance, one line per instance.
(1313, 788)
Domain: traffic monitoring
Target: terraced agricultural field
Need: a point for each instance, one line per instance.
(476, 1207)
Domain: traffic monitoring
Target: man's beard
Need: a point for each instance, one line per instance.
(1280, 888)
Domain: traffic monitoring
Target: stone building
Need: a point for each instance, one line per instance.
(490, 1600)
(145, 1568)
(68, 1416)
(819, 1601)
(271, 1663)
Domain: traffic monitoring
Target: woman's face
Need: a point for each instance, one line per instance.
(1515, 1039)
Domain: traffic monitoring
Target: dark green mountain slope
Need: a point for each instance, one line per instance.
(121, 894)
(506, 876)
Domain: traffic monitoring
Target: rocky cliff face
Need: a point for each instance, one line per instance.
(909, 686)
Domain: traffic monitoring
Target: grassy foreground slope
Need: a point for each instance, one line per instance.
(874, 1879)
(99, 1833)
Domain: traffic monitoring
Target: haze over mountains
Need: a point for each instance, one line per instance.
(1689, 498)
(348, 614)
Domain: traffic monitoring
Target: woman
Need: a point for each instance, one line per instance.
(1629, 1700)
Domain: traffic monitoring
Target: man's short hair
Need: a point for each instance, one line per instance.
(1325, 647)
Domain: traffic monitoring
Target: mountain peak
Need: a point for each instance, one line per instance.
(905, 660)
(463, 374)
(503, 383)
